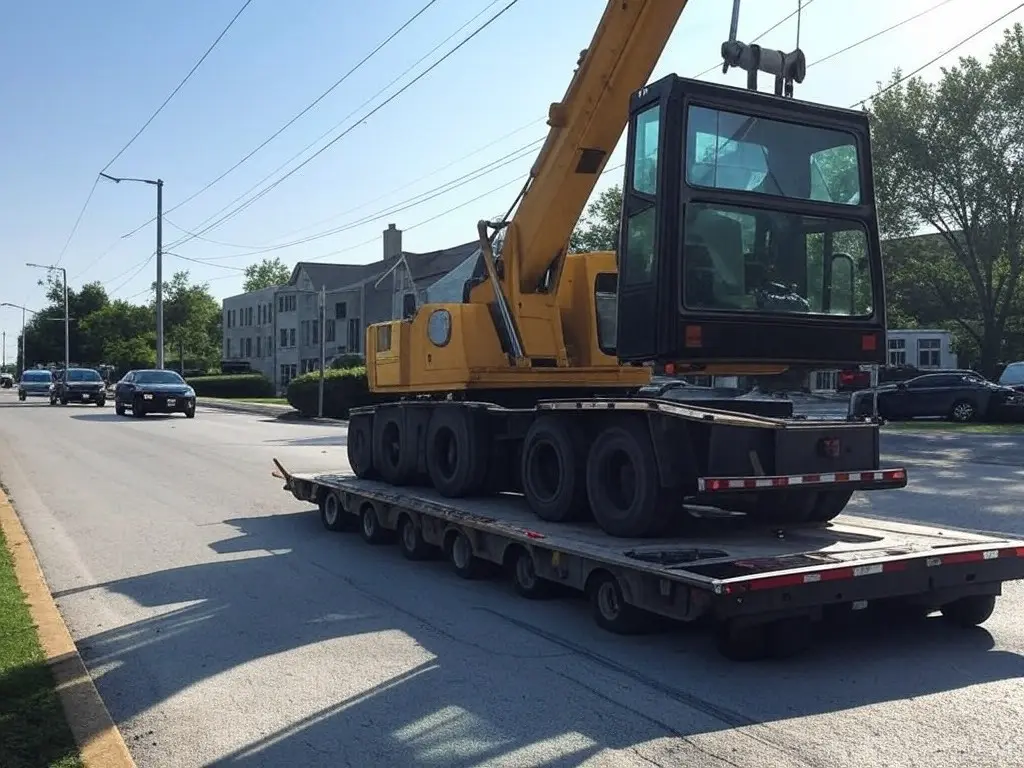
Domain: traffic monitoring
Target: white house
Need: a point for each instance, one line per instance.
(922, 348)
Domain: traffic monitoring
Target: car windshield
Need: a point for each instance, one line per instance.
(1014, 374)
(83, 375)
(158, 377)
(36, 376)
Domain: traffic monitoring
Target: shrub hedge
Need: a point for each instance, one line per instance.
(343, 389)
(349, 360)
(233, 385)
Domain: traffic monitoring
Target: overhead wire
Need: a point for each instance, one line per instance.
(942, 55)
(508, 6)
(302, 112)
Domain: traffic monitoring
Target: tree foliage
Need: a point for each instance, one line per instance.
(949, 158)
(598, 230)
(121, 333)
(265, 274)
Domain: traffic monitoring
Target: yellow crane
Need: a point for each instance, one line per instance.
(748, 244)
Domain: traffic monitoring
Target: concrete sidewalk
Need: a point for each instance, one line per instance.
(274, 410)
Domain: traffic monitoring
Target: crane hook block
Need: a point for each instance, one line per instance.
(786, 67)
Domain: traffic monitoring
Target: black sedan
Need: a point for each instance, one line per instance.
(78, 385)
(954, 396)
(154, 391)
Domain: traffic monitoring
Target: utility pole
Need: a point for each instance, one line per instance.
(3, 365)
(159, 184)
(323, 348)
(67, 316)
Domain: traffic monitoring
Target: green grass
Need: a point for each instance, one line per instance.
(953, 428)
(33, 732)
(268, 400)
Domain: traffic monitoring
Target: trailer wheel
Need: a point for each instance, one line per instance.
(369, 526)
(332, 514)
(623, 487)
(829, 505)
(554, 471)
(411, 541)
(970, 611)
(460, 553)
(610, 609)
(456, 452)
(359, 443)
(789, 637)
(741, 642)
(524, 575)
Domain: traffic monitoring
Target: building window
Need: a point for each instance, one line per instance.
(248, 315)
(284, 337)
(280, 307)
(316, 331)
(270, 345)
(340, 310)
(329, 331)
(248, 347)
(354, 340)
(408, 305)
(291, 337)
(259, 346)
(929, 353)
(897, 352)
(227, 350)
(285, 377)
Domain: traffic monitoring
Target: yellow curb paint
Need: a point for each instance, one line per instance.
(99, 741)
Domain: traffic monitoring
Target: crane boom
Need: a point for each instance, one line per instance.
(585, 127)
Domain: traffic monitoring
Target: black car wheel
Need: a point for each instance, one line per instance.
(190, 410)
(119, 407)
(138, 410)
(962, 411)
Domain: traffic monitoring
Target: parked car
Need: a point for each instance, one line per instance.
(35, 382)
(956, 396)
(154, 391)
(1013, 376)
(79, 385)
(6, 381)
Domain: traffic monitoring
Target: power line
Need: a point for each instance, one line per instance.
(300, 114)
(179, 86)
(365, 117)
(945, 53)
(306, 109)
(81, 213)
(897, 25)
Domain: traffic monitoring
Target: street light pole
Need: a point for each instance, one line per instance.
(323, 348)
(24, 360)
(67, 316)
(159, 184)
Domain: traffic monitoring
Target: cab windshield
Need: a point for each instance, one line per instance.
(726, 150)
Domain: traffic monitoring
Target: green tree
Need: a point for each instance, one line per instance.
(192, 320)
(125, 332)
(598, 230)
(265, 274)
(949, 157)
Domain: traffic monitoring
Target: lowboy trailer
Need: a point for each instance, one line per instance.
(762, 587)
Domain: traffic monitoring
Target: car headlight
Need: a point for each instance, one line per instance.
(190, 392)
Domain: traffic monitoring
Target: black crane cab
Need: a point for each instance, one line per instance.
(749, 233)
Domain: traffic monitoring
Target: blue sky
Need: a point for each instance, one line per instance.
(79, 79)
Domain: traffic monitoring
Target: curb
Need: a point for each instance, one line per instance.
(278, 411)
(99, 741)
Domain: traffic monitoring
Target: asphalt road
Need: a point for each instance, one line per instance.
(224, 626)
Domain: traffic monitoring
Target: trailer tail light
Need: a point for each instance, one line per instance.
(870, 569)
(888, 478)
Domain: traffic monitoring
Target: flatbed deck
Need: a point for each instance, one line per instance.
(749, 579)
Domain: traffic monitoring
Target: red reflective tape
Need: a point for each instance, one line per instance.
(533, 534)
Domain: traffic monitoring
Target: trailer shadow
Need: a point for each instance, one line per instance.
(435, 670)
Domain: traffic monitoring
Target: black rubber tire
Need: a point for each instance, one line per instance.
(456, 451)
(741, 643)
(119, 408)
(21, 398)
(393, 457)
(644, 512)
(963, 411)
(554, 471)
(972, 611)
(830, 504)
(359, 444)
(333, 515)
(53, 401)
(190, 411)
(525, 580)
(460, 554)
(789, 637)
(610, 610)
(138, 410)
(101, 402)
(63, 401)
(411, 541)
(370, 528)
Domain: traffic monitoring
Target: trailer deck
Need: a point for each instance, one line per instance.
(758, 583)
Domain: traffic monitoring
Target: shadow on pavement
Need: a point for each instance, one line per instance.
(32, 727)
(432, 670)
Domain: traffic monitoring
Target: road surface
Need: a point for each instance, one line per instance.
(224, 626)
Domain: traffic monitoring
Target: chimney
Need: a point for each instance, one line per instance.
(392, 241)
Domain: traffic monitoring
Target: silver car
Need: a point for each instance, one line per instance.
(35, 383)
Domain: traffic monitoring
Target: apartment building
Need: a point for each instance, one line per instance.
(289, 323)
